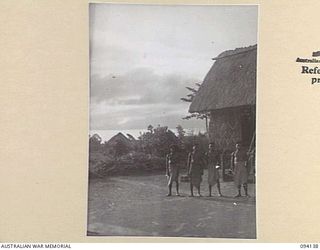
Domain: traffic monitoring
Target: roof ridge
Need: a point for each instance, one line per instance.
(230, 82)
(234, 52)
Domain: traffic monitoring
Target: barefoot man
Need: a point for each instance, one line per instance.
(238, 163)
(213, 173)
(172, 169)
(195, 169)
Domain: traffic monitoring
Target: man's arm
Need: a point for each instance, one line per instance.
(189, 164)
(218, 160)
(167, 165)
(232, 161)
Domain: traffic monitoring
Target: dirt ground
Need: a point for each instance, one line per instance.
(138, 206)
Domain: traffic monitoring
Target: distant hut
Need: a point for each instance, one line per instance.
(119, 138)
(119, 144)
(228, 95)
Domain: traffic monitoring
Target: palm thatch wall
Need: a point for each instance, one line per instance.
(231, 125)
(225, 129)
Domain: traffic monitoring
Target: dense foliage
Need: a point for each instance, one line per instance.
(126, 155)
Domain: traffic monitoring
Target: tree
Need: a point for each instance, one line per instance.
(181, 132)
(130, 137)
(197, 115)
(162, 139)
(146, 142)
(159, 141)
(150, 129)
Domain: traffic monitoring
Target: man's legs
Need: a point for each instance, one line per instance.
(177, 188)
(245, 187)
(191, 188)
(218, 186)
(170, 188)
(210, 188)
(198, 187)
(239, 191)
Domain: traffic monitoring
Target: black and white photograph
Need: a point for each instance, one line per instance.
(172, 128)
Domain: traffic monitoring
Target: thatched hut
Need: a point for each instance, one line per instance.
(119, 138)
(118, 144)
(228, 96)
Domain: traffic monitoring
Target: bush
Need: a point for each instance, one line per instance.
(101, 165)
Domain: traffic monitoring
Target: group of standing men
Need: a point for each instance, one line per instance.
(195, 166)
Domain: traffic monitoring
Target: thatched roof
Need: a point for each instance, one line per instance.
(119, 138)
(231, 81)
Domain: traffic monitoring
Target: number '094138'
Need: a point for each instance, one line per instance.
(309, 245)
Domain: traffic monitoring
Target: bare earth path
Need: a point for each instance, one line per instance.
(138, 206)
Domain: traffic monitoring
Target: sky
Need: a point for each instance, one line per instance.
(143, 56)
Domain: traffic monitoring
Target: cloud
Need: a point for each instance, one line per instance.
(124, 117)
(141, 63)
(167, 38)
(138, 98)
(140, 86)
